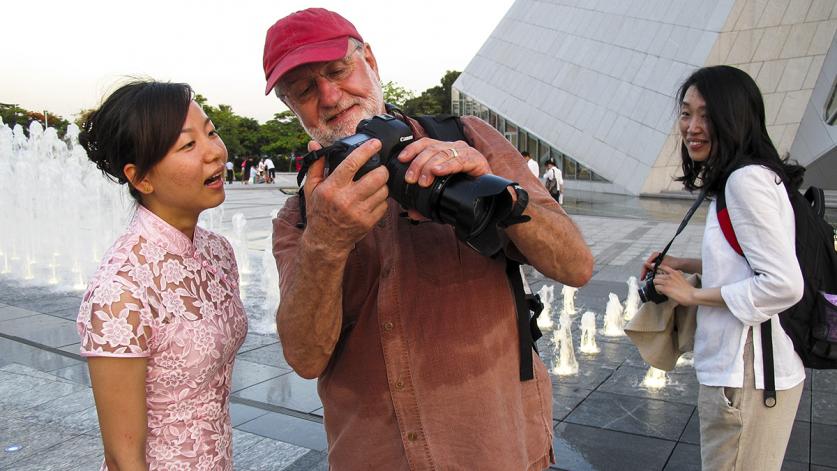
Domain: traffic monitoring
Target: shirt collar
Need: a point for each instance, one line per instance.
(163, 234)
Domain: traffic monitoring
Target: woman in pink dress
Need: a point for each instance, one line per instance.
(162, 318)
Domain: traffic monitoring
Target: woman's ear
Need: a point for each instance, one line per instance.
(143, 186)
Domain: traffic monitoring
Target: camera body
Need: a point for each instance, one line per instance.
(476, 207)
(647, 290)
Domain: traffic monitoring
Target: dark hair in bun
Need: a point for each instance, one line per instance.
(137, 124)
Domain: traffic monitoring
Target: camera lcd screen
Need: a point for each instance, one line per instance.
(356, 139)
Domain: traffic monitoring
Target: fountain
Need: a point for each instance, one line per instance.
(655, 379)
(64, 213)
(568, 293)
(588, 333)
(565, 363)
(545, 318)
(613, 318)
(632, 301)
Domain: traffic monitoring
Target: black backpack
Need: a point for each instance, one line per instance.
(812, 322)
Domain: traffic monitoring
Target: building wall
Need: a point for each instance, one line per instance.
(782, 44)
(597, 80)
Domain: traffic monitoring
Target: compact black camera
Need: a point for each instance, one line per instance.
(647, 290)
(476, 207)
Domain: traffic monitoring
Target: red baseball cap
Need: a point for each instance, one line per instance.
(303, 37)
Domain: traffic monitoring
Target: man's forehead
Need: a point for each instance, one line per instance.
(302, 71)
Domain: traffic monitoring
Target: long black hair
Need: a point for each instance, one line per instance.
(137, 124)
(735, 118)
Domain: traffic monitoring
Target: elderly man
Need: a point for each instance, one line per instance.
(412, 334)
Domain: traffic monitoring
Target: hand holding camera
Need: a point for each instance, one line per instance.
(477, 204)
(344, 208)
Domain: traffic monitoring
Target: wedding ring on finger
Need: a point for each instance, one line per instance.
(453, 153)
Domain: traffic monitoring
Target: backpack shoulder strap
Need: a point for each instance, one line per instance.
(725, 223)
(442, 127)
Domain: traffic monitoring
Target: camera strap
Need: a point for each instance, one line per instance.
(306, 163)
(683, 224)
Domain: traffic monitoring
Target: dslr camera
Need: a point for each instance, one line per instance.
(477, 208)
(647, 290)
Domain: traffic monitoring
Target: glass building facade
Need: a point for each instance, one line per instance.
(539, 149)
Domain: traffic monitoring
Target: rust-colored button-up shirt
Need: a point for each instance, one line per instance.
(425, 374)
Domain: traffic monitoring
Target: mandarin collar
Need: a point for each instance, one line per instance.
(163, 234)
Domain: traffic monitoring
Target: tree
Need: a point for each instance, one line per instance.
(434, 100)
(285, 136)
(395, 94)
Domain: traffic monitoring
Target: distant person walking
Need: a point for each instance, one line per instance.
(722, 128)
(553, 180)
(271, 169)
(533, 165)
(229, 171)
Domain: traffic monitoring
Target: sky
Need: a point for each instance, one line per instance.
(65, 56)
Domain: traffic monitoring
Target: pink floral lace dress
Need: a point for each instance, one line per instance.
(175, 301)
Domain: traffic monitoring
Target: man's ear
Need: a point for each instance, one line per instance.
(369, 57)
(143, 185)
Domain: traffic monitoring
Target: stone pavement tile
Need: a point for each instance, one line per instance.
(821, 468)
(14, 312)
(289, 429)
(48, 302)
(312, 461)
(565, 398)
(74, 412)
(799, 442)
(42, 328)
(686, 457)
(240, 413)
(34, 437)
(648, 417)
(317, 412)
(269, 355)
(253, 341)
(681, 387)
(82, 452)
(578, 447)
(803, 412)
(23, 388)
(76, 373)
(290, 391)
(590, 375)
(823, 450)
(824, 408)
(269, 455)
(242, 441)
(691, 434)
(70, 313)
(248, 373)
(74, 348)
(824, 380)
(795, 466)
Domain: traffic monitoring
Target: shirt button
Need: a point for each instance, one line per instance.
(387, 326)
(412, 436)
(382, 223)
(386, 271)
(399, 385)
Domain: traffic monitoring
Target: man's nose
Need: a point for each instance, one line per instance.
(329, 92)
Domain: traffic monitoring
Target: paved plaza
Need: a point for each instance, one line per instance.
(604, 418)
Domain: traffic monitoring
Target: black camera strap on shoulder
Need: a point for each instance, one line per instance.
(686, 218)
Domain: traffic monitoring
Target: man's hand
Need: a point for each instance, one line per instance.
(431, 158)
(341, 211)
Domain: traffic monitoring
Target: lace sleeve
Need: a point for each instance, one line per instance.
(113, 322)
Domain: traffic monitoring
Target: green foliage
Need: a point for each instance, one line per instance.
(395, 94)
(13, 114)
(434, 100)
